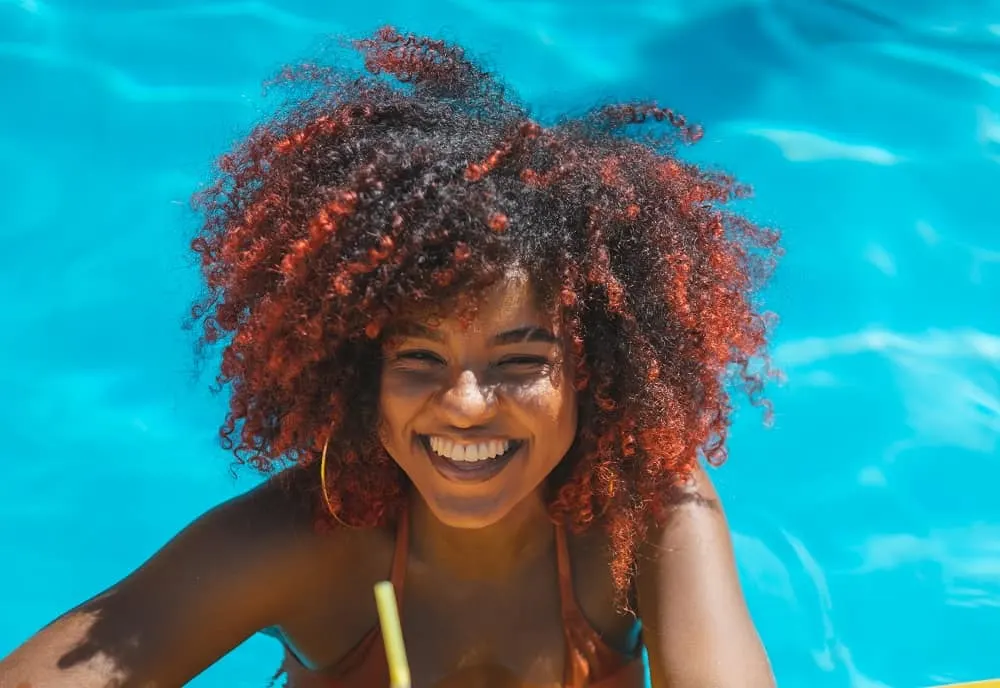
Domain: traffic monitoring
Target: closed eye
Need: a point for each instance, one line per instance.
(419, 356)
(515, 361)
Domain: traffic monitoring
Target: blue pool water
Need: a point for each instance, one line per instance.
(866, 521)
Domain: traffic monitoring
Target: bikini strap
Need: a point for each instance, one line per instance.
(567, 597)
(579, 635)
(400, 555)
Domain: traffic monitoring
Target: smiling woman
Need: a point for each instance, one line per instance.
(478, 415)
(481, 356)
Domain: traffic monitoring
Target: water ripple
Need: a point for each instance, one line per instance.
(117, 80)
(871, 130)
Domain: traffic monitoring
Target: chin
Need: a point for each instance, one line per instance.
(468, 513)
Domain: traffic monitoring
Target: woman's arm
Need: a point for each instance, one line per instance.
(206, 591)
(696, 626)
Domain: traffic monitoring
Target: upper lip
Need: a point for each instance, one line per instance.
(471, 438)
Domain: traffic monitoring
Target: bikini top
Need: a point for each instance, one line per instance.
(589, 660)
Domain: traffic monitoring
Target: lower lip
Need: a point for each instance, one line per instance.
(469, 471)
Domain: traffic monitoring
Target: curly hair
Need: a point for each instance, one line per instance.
(418, 181)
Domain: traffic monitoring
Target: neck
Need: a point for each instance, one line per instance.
(491, 553)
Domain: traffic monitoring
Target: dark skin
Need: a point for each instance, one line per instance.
(481, 605)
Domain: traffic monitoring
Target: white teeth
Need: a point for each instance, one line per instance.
(480, 451)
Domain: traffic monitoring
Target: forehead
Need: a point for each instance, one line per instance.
(511, 299)
(512, 303)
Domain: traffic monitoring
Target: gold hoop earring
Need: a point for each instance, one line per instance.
(322, 483)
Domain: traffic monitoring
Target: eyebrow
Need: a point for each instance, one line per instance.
(519, 335)
(416, 330)
(523, 335)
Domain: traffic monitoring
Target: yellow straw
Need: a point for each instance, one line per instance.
(392, 635)
(994, 683)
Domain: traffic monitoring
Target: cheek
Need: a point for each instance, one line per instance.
(399, 401)
(550, 406)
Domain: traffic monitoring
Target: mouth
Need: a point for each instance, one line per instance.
(469, 463)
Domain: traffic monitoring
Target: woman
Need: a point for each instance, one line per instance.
(487, 355)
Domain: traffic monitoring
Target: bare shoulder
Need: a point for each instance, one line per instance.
(280, 508)
(272, 529)
(230, 573)
(257, 537)
(690, 600)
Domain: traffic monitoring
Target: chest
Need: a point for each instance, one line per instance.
(510, 637)
(511, 634)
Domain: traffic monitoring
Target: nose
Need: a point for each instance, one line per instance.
(466, 403)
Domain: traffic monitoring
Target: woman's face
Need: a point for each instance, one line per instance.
(479, 415)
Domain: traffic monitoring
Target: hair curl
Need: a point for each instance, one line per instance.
(420, 180)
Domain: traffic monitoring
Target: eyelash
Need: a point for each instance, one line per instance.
(422, 356)
(525, 360)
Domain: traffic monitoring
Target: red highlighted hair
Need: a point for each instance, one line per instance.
(420, 181)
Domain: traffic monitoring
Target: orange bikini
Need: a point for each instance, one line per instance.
(589, 660)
